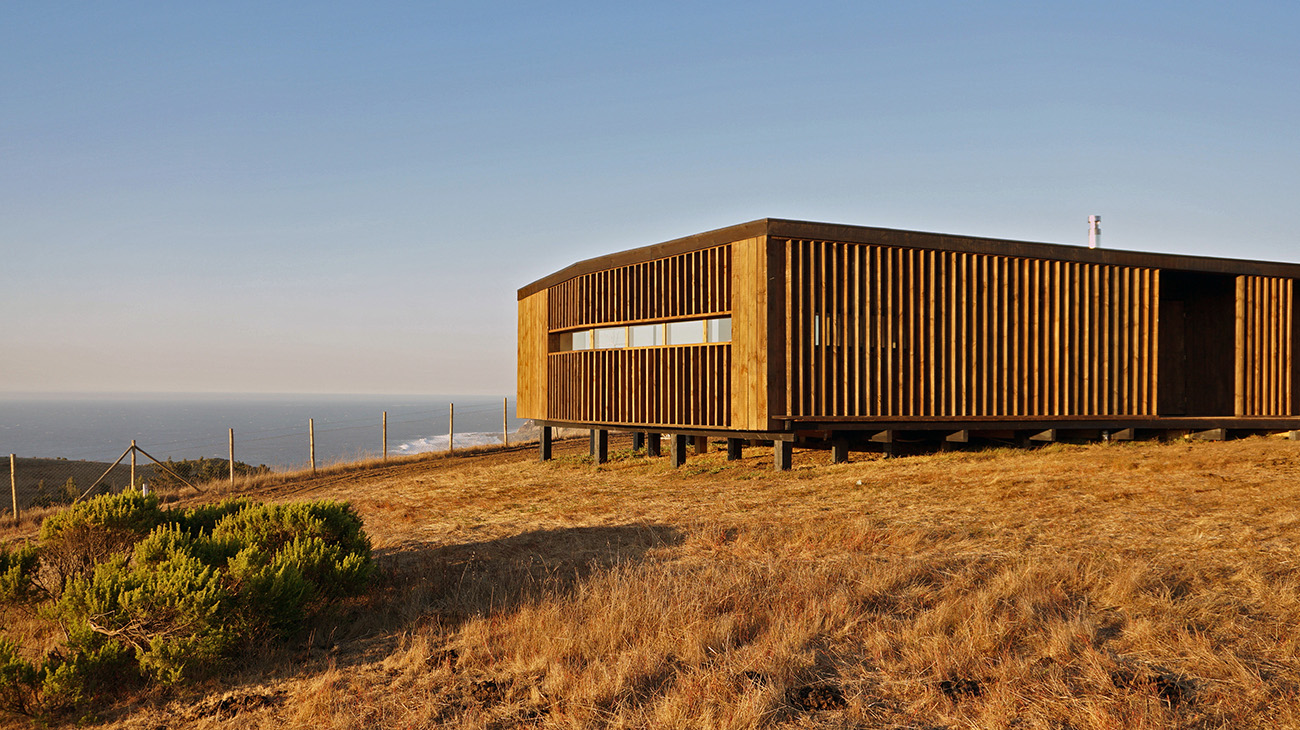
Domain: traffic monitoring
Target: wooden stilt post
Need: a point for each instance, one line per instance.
(311, 442)
(733, 449)
(638, 440)
(232, 458)
(600, 446)
(839, 452)
(678, 450)
(782, 454)
(653, 444)
(13, 483)
(544, 444)
(701, 444)
(385, 436)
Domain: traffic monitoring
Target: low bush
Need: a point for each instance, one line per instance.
(17, 570)
(163, 594)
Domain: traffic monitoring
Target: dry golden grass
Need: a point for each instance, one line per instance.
(1139, 585)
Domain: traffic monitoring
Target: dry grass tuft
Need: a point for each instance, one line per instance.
(1105, 586)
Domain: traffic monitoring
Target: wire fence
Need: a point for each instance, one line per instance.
(201, 457)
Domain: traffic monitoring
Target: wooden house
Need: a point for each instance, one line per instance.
(847, 337)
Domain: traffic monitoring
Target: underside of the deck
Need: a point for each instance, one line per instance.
(840, 436)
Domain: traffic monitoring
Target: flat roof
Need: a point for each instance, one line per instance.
(811, 231)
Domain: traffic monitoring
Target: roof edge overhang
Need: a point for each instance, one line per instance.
(812, 231)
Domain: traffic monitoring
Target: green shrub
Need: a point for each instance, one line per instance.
(88, 672)
(76, 539)
(200, 520)
(17, 569)
(19, 681)
(163, 594)
(273, 526)
(130, 512)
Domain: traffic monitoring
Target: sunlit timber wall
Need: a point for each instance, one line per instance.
(900, 332)
(656, 383)
(887, 327)
(1265, 341)
(896, 332)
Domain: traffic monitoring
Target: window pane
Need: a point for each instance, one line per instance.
(611, 337)
(719, 329)
(646, 335)
(582, 340)
(686, 333)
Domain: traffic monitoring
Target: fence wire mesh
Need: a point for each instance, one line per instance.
(55, 480)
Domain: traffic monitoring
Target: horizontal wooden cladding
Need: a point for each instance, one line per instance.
(670, 386)
(885, 331)
(1264, 346)
(692, 284)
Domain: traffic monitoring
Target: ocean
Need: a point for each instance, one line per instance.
(269, 429)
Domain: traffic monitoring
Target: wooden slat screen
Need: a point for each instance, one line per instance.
(887, 331)
(1264, 346)
(682, 386)
(687, 285)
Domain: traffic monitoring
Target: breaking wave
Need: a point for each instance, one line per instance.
(439, 443)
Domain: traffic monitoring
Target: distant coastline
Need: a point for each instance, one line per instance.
(270, 428)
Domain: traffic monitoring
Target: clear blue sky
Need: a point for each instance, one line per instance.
(317, 197)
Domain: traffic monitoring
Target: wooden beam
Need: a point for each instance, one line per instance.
(1124, 434)
(1045, 436)
(883, 437)
(958, 437)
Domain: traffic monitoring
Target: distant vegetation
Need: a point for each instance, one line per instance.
(146, 594)
(55, 482)
(197, 471)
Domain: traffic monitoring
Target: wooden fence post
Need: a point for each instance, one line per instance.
(13, 483)
(132, 464)
(505, 421)
(311, 442)
(232, 458)
(451, 427)
(385, 435)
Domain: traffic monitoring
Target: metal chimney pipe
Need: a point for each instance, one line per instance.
(1094, 231)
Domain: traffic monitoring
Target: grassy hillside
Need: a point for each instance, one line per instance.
(1102, 586)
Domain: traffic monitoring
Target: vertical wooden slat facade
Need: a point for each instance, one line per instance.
(893, 332)
(896, 326)
(686, 385)
(1264, 342)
